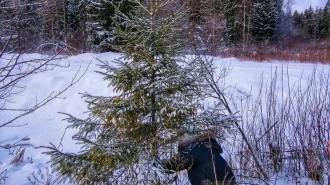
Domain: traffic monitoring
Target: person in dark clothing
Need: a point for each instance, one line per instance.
(200, 156)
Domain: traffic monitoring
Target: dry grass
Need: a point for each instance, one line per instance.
(289, 50)
(288, 134)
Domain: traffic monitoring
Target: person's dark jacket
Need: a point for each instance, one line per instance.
(201, 158)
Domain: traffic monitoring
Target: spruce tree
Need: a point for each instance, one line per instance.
(100, 22)
(264, 19)
(309, 15)
(74, 14)
(157, 88)
(233, 32)
(325, 21)
(297, 19)
(317, 22)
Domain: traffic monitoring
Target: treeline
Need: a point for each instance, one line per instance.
(87, 25)
(315, 23)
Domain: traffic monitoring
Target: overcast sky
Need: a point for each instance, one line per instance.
(302, 5)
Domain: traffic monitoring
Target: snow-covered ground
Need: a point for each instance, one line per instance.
(45, 125)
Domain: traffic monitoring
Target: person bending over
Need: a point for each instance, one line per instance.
(201, 156)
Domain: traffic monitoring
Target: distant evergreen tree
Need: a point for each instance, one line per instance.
(299, 23)
(74, 13)
(325, 21)
(233, 30)
(317, 22)
(75, 28)
(264, 19)
(309, 16)
(298, 19)
(100, 22)
(157, 91)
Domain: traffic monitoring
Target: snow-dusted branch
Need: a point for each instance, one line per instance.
(218, 93)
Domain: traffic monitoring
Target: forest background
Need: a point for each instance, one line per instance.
(254, 30)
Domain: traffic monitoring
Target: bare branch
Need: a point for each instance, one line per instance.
(49, 98)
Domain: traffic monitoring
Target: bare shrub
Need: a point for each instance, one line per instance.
(288, 131)
(3, 176)
(44, 177)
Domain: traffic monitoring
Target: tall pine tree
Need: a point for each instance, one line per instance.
(233, 32)
(325, 21)
(74, 14)
(264, 19)
(100, 23)
(309, 16)
(157, 92)
(298, 20)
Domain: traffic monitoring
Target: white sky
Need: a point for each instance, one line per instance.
(301, 5)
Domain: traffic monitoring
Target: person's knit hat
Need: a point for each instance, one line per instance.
(187, 136)
(185, 139)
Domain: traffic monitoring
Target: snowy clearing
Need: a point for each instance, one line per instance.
(45, 125)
